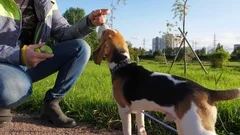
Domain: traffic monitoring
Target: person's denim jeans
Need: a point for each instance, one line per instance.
(70, 58)
(15, 86)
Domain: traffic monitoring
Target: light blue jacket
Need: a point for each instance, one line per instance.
(51, 23)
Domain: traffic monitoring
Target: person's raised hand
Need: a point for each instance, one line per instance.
(34, 58)
(98, 17)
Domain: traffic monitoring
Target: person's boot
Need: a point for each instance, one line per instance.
(5, 117)
(53, 113)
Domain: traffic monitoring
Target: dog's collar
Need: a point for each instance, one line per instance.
(119, 65)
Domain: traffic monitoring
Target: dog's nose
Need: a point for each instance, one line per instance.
(101, 29)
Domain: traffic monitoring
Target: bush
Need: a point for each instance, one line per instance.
(161, 59)
(219, 58)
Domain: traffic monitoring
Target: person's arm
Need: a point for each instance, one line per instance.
(61, 30)
(10, 54)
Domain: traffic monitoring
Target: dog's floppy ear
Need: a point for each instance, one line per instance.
(99, 53)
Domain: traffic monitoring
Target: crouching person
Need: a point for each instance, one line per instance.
(26, 25)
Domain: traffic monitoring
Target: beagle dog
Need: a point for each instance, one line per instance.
(190, 105)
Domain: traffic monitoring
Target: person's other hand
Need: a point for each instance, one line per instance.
(98, 17)
(34, 58)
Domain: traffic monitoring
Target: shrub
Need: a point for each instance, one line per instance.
(219, 58)
(161, 59)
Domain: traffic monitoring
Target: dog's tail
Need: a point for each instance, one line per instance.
(222, 95)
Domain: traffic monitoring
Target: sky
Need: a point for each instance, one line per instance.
(144, 19)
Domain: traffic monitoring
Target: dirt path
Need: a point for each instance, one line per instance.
(27, 125)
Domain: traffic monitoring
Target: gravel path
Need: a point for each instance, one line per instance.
(27, 125)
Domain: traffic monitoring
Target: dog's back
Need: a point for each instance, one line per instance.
(168, 89)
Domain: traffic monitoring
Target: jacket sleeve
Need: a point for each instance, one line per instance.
(61, 30)
(10, 54)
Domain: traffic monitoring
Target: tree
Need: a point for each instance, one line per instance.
(201, 52)
(142, 51)
(157, 53)
(169, 51)
(130, 48)
(124, 1)
(198, 52)
(236, 53)
(74, 15)
(185, 53)
(219, 47)
(132, 51)
(168, 35)
(180, 11)
(149, 52)
(113, 8)
(92, 40)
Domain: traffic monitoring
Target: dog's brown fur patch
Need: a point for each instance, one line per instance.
(109, 41)
(205, 110)
(183, 106)
(118, 92)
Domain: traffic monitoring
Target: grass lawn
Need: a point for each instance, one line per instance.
(91, 101)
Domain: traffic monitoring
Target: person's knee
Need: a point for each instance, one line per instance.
(12, 95)
(84, 49)
(15, 88)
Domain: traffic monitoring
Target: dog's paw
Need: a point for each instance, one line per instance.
(142, 131)
(145, 133)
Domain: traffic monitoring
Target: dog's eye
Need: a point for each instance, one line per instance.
(122, 51)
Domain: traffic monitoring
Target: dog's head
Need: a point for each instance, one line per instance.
(112, 46)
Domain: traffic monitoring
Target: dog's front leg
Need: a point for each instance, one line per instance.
(140, 123)
(125, 116)
(179, 128)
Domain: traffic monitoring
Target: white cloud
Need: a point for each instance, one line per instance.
(136, 38)
(226, 39)
(138, 42)
(238, 38)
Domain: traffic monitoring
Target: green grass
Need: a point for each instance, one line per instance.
(91, 101)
